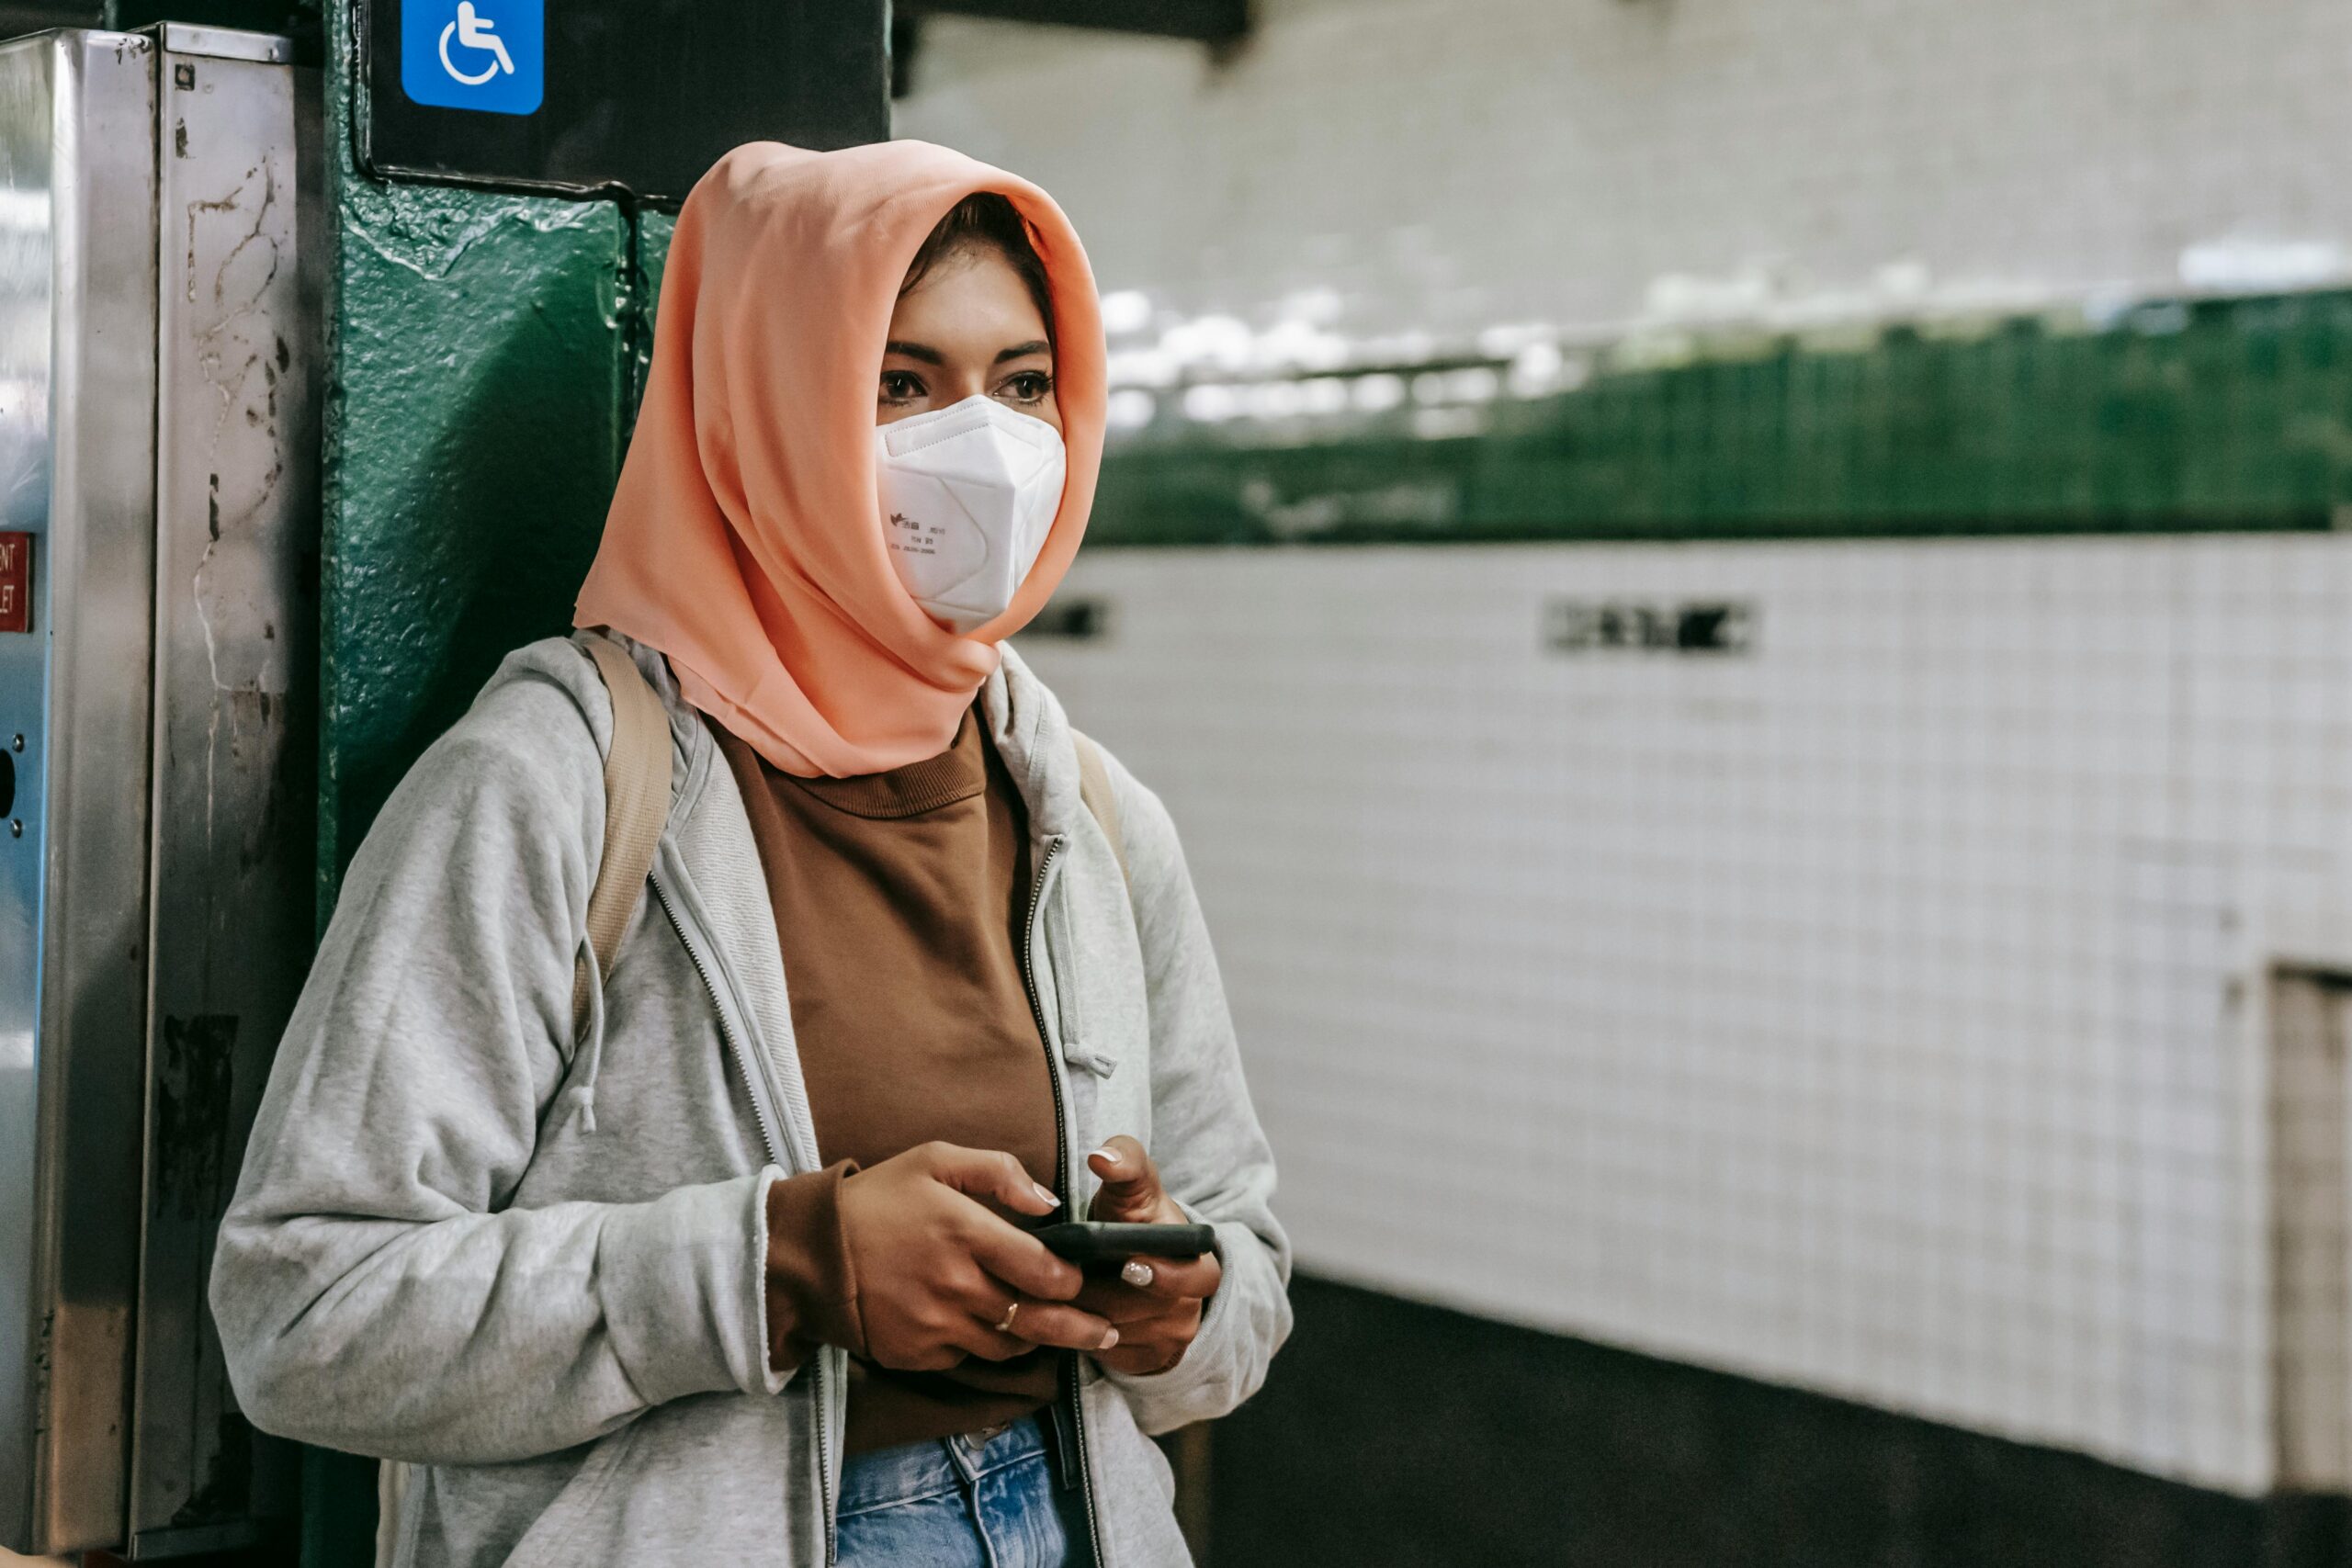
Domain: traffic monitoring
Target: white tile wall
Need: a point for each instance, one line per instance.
(1447, 164)
(1879, 1012)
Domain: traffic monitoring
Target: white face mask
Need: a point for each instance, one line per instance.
(969, 492)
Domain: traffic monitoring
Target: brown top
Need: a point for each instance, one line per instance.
(899, 900)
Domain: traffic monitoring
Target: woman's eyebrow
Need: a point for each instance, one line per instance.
(931, 355)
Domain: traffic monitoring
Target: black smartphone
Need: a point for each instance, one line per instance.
(1099, 1247)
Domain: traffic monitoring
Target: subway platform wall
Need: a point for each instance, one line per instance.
(1888, 1005)
(1747, 611)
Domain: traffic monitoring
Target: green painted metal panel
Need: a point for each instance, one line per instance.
(651, 237)
(473, 438)
(482, 350)
(2220, 414)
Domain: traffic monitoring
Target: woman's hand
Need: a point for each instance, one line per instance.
(1155, 1303)
(936, 1268)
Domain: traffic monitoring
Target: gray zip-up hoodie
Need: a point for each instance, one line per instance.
(532, 1265)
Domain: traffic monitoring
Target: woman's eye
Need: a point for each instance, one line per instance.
(1029, 386)
(901, 387)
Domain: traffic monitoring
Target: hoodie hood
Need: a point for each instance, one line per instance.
(745, 539)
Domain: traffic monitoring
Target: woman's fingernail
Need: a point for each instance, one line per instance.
(1110, 1337)
(1111, 1155)
(1042, 1190)
(1136, 1272)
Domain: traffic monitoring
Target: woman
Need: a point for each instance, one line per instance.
(737, 1270)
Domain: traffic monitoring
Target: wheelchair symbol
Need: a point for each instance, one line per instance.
(472, 32)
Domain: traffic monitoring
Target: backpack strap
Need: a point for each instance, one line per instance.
(1094, 789)
(637, 804)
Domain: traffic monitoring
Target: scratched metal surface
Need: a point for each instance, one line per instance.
(241, 216)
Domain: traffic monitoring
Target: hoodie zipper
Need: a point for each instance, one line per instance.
(1064, 1178)
(765, 1116)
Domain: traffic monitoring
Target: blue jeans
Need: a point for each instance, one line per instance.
(982, 1501)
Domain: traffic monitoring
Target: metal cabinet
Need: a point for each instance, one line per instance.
(161, 263)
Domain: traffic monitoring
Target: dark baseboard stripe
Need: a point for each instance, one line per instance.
(1396, 1433)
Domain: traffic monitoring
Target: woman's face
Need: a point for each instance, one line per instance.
(970, 327)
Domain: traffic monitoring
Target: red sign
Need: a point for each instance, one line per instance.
(15, 582)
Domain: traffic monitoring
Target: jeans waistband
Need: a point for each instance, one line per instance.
(936, 1466)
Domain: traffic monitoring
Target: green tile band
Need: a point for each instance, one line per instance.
(2210, 415)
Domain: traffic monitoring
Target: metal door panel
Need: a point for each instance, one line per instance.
(77, 387)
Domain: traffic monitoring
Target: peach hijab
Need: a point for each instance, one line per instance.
(745, 539)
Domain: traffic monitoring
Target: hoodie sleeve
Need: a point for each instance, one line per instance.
(374, 1292)
(1212, 1156)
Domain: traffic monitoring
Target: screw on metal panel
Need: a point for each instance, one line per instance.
(184, 75)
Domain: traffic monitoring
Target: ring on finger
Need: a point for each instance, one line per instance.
(1136, 1272)
(1004, 1323)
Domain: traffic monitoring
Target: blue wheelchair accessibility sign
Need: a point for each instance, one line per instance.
(475, 54)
